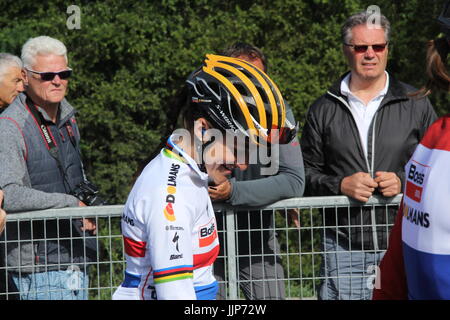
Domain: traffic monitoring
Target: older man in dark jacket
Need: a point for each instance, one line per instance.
(356, 141)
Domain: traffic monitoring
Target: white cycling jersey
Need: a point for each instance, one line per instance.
(169, 232)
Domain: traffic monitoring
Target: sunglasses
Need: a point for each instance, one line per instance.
(49, 76)
(363, 47)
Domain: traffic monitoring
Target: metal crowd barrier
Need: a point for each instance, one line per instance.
(250, 237)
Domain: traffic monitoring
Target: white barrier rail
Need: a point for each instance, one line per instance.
(250, 237)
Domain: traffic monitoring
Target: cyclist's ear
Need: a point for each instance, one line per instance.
(200, 128)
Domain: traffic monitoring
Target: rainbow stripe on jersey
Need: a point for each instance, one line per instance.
(173, 274)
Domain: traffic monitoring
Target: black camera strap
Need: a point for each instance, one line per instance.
(48, 138)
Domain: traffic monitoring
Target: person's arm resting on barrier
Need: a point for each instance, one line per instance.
(288, 182)
(14, 179)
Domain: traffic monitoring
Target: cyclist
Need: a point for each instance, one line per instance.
(417, 261)
(168, 224)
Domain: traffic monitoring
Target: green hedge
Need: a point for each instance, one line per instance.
(130, 58)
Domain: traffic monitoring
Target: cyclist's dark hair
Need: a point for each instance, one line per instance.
(189, 111)
(175, 106)
(436, 67)
(180, 105)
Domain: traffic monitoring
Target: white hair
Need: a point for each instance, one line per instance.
(7, 61)
(42, 45)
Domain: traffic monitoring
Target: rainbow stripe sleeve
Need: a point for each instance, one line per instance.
(173, 274)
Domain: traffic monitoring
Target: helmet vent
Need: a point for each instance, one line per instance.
(242, 90)
(262, 94)
(224, 73)
(213, 86)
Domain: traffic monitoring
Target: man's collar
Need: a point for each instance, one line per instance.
(42, 110)
(345, 85)
(65, 110)
(47, 117)
(394, 91)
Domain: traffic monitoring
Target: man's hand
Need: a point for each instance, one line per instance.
(359, 186)
(89, 225)
(292, 216)
(2, 214)
(389, 183)
(221, 192)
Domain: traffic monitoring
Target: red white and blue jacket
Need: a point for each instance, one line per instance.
(417, 262)
(169, 232)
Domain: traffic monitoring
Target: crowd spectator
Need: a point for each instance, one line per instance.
(40, 168)
(356, 140)
(11, 82)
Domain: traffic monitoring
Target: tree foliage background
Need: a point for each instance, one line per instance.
(131, 57)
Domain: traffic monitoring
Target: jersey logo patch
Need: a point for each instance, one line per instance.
(169, 213)
(175, 239)
(171, 190)
(207, 234)
(417, 175)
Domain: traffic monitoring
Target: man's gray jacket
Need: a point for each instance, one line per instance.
(32, 180)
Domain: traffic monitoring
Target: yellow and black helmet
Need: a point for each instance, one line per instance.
(235, 95)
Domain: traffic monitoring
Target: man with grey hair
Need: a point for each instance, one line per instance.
(11, 82)
(356, 140)
(40, 169)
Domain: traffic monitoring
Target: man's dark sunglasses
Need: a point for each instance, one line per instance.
(363, 47)
(49, 76)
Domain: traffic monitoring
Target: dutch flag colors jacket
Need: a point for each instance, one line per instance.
(417, 262)
(169, 232)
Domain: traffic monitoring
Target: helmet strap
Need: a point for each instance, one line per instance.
(200, 147)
